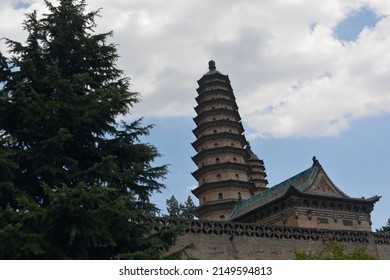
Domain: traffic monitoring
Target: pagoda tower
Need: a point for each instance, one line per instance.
(228, 171)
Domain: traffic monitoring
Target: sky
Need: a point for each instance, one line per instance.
(311, 78)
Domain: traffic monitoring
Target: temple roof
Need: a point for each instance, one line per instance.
(311, 182)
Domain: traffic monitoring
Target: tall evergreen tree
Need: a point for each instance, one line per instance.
(179, 210)
(188, 209)
(74, 182)
(173, 207)
(385, 228)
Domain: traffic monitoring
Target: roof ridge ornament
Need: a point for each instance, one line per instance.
(315, 161)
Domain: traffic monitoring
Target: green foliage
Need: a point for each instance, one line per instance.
(74, 183)
(188, 209)
(334, 250)
(173, 207)
(385, 228)
(179, 210)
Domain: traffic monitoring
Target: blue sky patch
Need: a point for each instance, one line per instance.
(350, 28)
(21, 5)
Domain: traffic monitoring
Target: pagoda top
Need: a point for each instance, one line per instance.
(212, 68)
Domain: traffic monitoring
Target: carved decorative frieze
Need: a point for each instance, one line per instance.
(262, 231)
(382, 238)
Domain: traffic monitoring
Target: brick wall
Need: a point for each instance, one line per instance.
(226, 240)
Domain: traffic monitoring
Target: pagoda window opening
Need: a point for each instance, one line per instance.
(215, 131)
(213, 107)
(214, 119)
(239, 196)
(232, 144)
(220, 196)
(217, 160)
(222, 217)
(235, 159)
(215, 144)
(237, 177)
(204, 199)
(219, 177)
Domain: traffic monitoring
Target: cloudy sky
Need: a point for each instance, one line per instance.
(310, 78)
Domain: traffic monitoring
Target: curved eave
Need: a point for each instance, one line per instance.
(221, 166)
(215, 101)
(219, 136)
(368, 201)
(217, 124)
(213, 151)
(216, 112)
(202, 189)
(260, 180)
(202, 93)
(255, 161)
(212, 78)
(258, 169)
(257, 165)
(293, 191)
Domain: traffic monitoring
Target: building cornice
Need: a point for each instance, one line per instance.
(236, 184)
(215, 101)
(219, 136)
(218, 124)
(216, 112)
(221, 166)
(219, 150)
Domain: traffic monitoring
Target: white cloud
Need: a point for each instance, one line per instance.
(290, 75)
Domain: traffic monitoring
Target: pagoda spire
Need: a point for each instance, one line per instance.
(228, 171)
(212, 65)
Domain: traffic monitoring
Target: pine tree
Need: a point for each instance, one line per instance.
(173, 207)
(188, 209)
(385, 228)
(74, 182)
(179, 210)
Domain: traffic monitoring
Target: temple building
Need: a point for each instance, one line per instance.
(232, 183)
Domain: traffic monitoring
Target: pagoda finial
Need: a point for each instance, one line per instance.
(212, 65)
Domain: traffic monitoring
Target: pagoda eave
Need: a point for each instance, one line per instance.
(237, 184)
(229, 150)
(219, 136)
(221, 166)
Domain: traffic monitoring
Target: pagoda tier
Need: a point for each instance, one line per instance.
(216, 103)
(213, 115)
(218, 126)
(223, 139)
(203, 189)
(228, 171)
(218, 154)
(217, 93)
